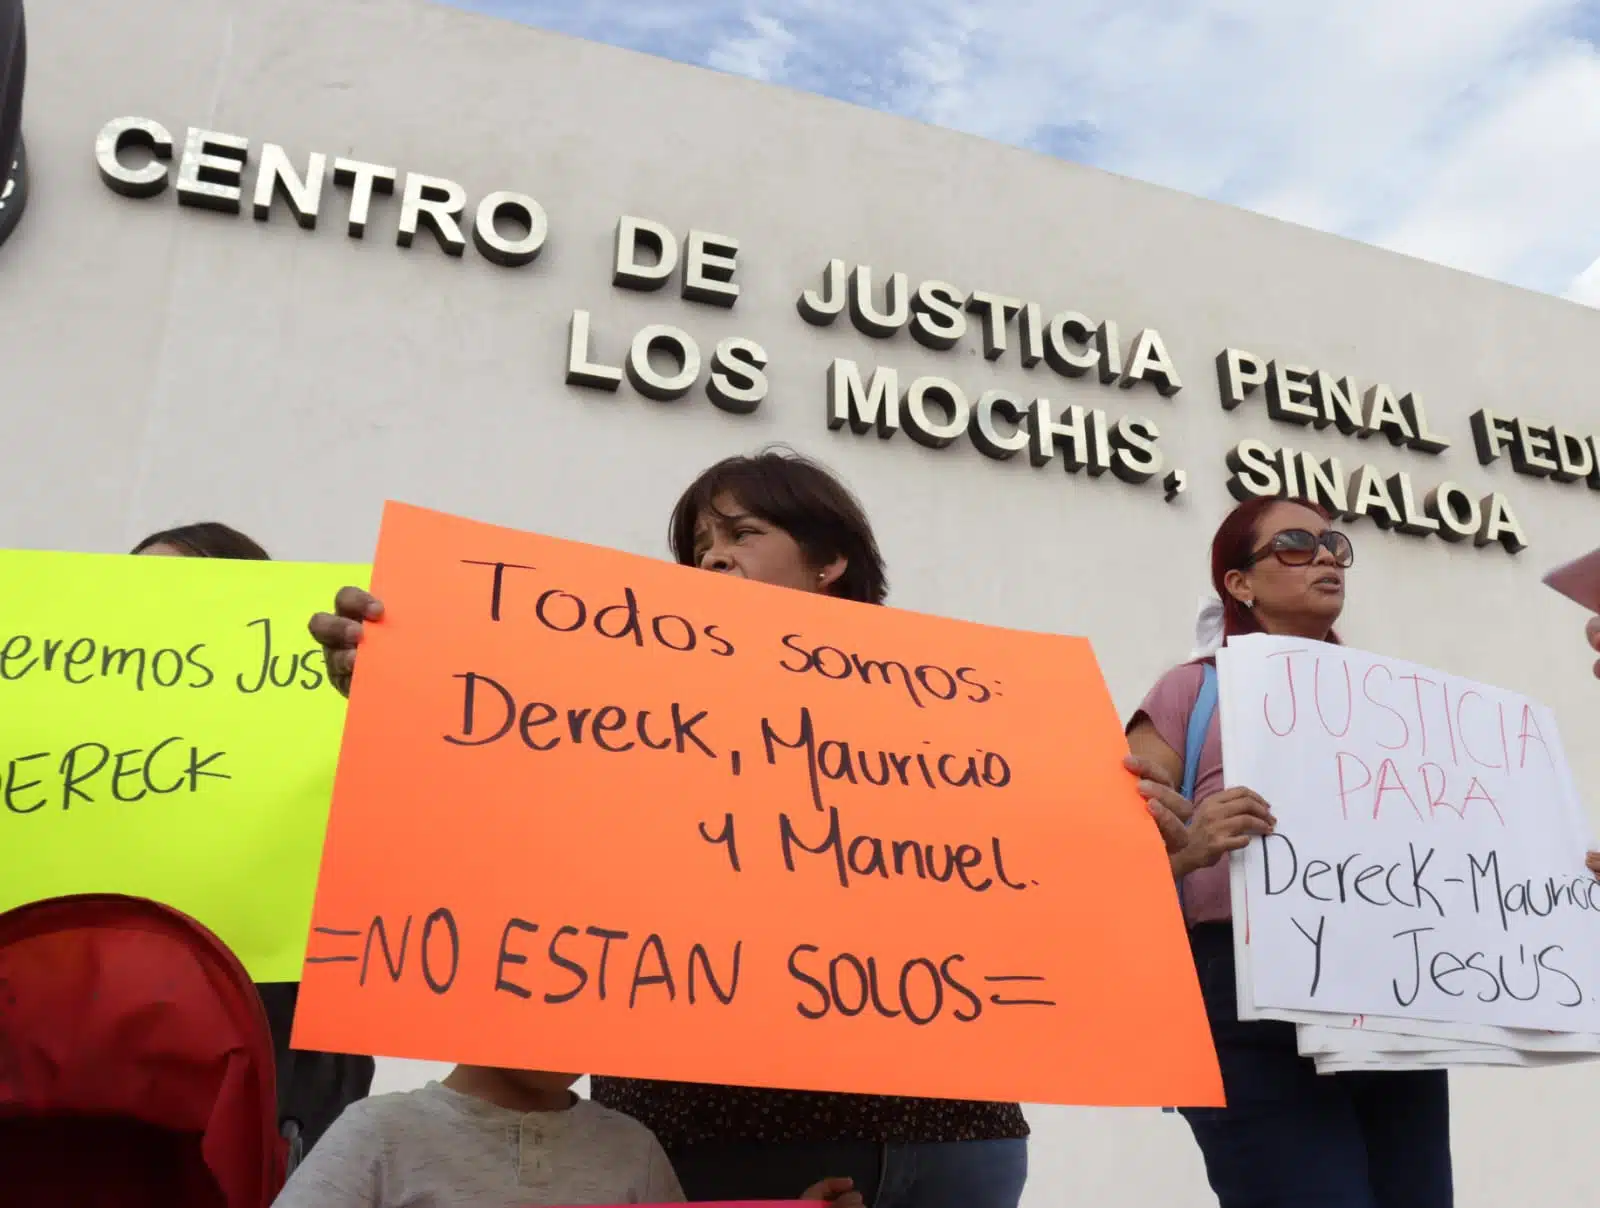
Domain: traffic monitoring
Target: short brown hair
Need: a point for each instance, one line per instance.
(802, 498)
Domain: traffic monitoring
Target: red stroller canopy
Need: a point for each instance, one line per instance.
(136, 1065)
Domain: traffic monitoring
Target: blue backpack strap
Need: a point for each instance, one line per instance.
(1194, 741)
(1205, 708)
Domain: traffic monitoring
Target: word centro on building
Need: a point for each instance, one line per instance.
(210, 175)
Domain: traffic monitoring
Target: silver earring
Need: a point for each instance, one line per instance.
(1249, 603)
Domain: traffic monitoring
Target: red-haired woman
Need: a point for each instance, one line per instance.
(1289, 1137)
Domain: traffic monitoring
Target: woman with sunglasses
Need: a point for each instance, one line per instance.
(1289, 1137)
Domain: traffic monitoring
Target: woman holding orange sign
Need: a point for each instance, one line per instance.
(779, 519)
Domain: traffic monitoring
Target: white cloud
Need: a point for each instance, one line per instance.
(1463, 131)
(757, 52)
(1585, 286)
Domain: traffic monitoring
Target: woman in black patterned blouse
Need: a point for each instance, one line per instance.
(779, 519)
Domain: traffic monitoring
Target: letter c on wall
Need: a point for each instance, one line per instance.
(117, 136)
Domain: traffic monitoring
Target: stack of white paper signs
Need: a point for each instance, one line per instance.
(1424, 901)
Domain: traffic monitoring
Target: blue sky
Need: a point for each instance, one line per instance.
(1463, 131)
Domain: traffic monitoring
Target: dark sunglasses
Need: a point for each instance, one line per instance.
(1298, 547)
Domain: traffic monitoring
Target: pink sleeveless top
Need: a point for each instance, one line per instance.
(1168, 706)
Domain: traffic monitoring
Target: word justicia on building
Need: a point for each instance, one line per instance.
(662, 362)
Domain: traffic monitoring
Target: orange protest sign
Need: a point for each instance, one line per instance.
(601, 814)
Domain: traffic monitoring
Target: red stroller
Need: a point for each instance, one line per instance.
(136, 1066)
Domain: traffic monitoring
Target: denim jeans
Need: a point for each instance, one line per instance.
(958, 1174)
(1293, 1138)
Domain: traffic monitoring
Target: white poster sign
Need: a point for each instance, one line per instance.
(1428, 862)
